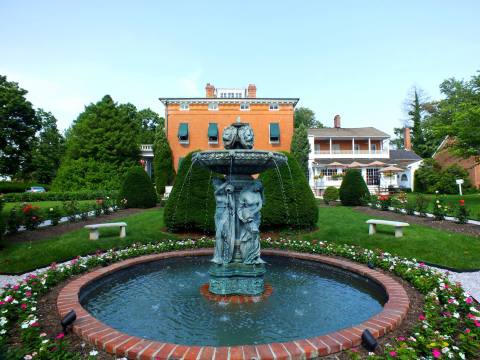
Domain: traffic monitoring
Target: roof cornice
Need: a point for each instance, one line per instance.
(166, 101)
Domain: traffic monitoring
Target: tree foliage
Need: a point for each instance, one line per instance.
(306, 116)
(353, 190)
(289, 201)
(137, 189)
(458, 115)
(18, 125)
(191, 204)
(162, 161)
(150, 121)
(48, 151)
(398, 142)
(300, 148)
(430, 177)
(105, 134)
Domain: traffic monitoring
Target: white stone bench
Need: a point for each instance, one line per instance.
(398, 226)
(94, 234)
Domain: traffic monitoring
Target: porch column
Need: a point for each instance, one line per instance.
(353, 146)
(330, 146)
(369, 146)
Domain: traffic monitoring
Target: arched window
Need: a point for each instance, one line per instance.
(404, 177)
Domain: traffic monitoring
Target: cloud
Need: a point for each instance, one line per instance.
(190, 85)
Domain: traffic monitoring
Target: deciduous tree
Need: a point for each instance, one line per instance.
(306, 116)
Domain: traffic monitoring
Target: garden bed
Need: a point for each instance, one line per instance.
(449, 322)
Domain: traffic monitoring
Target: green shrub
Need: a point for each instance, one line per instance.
(421, 204)
(191, 204)
(14, 219)
(59, 196)
(163, 170)
(353, 189)
(7, 187)
(137, 189)
(447, 183)
(2, 223)
(54, 214)
(294, 206)
(462, 212)
(430, 177)
(330, 194)
(31, 216)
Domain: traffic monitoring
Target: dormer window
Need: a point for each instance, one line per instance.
(213, 106)
(244, 106)
(183, 133)
(183, 106)
(273, 107)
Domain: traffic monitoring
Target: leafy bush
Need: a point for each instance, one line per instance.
(14, 219)
(54, 214)
(59, 196)
(421, 204)
(430, 177)
(2, 223)
(162, 162)
(137, 189)
(353, 188)
(7, 187)
(71, 209)
(293, 207)
(447, 183)
(385, 201)
(439, 208)
(330, 194)
(191, 204)
(409, 206)
(31, 216)
(462, 212)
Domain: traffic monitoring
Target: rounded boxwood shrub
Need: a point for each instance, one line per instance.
(191, 204)
(353, 190)
(289, 201)
(330, 194)
(137, 189)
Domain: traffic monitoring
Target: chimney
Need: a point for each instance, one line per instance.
(210, 91)
(336, 121)
(252, 91)
(407, 142)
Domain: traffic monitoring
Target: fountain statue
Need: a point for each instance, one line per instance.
(237, 267)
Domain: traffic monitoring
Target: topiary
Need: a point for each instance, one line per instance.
(191, 204)
(137, 189)
(353, 189)
(289, 201)
(163, 170)
(330, 194)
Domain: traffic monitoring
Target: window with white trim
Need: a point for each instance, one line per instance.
(328, 172)
(213, 106)
(273, 107)
(244, 106)
(183, 106)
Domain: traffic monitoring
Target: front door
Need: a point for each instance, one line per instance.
(373, 176)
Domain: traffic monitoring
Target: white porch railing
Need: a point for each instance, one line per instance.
(382, 153)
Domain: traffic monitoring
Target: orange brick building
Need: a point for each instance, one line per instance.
(197, 123)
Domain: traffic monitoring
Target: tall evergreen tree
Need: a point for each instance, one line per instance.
(415, 113)
(105, 136)
(162, 161)
(300, 148)
(398, 141)
(48, 151)
(18, 125)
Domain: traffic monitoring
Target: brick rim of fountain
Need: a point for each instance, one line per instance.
(121, 344)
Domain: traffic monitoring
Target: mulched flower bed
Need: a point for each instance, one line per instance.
(447, 327)
(468, 229)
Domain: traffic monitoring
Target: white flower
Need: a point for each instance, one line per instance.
(28, 357)
(462, 356)
(93, 353)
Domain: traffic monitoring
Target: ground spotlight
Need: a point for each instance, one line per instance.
(68, 320)
(370, 264)
(369, 341)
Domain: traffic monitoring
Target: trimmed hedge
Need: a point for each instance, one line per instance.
(137, 189)
(289, 201)
(331, 194)
(7, 187)
(163, 170)
(353, 190)
(191, 204)
(59, 196)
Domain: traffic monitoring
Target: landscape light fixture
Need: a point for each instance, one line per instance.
(369, 341)
(370, 264)
(68, 320)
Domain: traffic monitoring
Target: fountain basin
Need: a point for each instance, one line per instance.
(121, 344)
(239, 161)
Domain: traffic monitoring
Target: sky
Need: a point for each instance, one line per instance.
(356, 59)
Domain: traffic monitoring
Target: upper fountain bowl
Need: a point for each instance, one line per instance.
(239, 161)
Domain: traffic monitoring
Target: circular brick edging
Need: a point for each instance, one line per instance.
(121, 344)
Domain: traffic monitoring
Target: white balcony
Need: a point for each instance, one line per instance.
(146, 150)
(343, 154)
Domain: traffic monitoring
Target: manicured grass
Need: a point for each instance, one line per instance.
(345, 225)
(44, 204)
(335, 224)
(472, 202)
(142, 227)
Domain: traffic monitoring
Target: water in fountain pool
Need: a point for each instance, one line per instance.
(147, 301)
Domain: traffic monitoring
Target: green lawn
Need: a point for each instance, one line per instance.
(472, 202)
(142, 227)
(336, 224)
(345, 225)
(44, 204)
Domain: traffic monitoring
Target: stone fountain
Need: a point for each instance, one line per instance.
(237, 266)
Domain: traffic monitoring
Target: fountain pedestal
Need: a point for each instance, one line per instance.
(237, 279)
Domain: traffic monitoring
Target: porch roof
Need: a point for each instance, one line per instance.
(363, 132)
(364, 162)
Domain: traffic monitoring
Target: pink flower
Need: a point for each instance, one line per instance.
(23, 306)
(35, 324)
(401, 338)
(9, 299)
(446, 285)
(16, 287)
(60, 336)
(436, 353)
(28, 293)
(477, 323)
(467, 331)
(422, 264)
(393, 353)
(470, 316)
(421, 317)
(447, 314)
(468, 300)
(451, 300)
(53, 266)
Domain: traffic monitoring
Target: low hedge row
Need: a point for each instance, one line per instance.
(449, 326)
(7, 187)
(59, 196)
